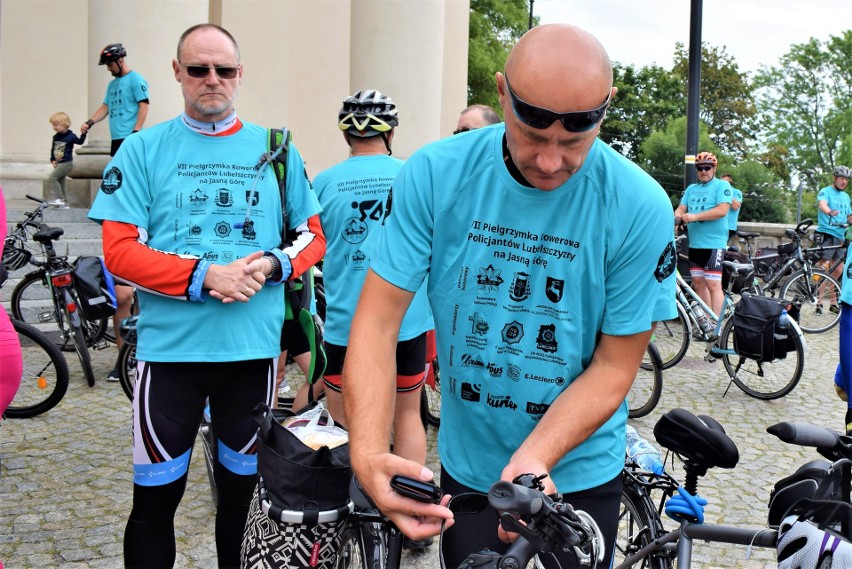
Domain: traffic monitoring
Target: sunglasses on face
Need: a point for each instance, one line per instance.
(704, 168)
(201, 71)
(463, 129)
(538, 117)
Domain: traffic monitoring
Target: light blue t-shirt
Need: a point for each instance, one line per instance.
(122, 97)
(186, 191)
(701, 197)
(521, 284)
(836, 200)
(734, 214)
(354, 197)
(846, 282)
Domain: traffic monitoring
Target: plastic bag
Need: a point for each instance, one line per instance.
(316, 428)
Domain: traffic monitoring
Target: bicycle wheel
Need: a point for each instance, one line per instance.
(45, 377)
(763, 380)
(638, 525)
(127, 369)
(432, 393)
(817, 299)
(83, 354)
(32, 302)
(645, 392)
(350, 555)
(671, 337)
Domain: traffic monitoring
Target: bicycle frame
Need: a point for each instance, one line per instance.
(685, 294)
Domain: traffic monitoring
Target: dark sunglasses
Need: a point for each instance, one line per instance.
(201, 71)
(538, 117)
(704, 168)
(463, 129)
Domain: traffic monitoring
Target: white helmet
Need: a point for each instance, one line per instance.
(802, 545)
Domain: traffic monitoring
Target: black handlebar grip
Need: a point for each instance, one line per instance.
(805, 434)
(507, 497)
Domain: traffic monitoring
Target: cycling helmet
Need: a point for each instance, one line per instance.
(802, 545)
(14, 255)
(843, 172)
(112, 52)
(706, 158)
(367, 113)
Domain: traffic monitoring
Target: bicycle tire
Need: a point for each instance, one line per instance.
(32, 302)
(804, 294)
(432, 393)
(127, 369)
(762, 380)
(350, 555)
(44, 381)
(638, 525)
(83, 354)
(672, 337)
(644, 394)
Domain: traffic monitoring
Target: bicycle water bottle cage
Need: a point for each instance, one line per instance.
(701, 442)
(47, 234)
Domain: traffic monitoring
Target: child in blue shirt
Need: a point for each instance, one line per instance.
(61, 157)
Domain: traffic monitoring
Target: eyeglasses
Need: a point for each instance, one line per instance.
(704, 168)
(538, 117)
(201, 71)
(463, 129)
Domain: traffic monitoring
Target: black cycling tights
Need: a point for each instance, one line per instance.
(473, 532)
(152, 521)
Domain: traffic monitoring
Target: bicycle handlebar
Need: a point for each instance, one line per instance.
(805, 434)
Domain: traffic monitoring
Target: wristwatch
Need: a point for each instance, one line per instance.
(90, 122)
(276, 266)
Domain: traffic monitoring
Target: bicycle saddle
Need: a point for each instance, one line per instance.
(747, 234)
(48, 234)
(700, 440)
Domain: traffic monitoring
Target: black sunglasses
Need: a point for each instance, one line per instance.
(704, 168)
(463, 129)
(538, 117)
(201, 71)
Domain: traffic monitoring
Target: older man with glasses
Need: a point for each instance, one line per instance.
(548, 256)
(704, 211)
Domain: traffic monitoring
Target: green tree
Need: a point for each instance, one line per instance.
(765, 199)
(495, 26)
(807, 99)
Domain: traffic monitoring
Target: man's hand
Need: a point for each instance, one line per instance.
(232, 282)
(518, 465)
(417, 520)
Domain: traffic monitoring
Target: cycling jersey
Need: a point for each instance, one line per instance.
(518, 311)
(836, 200)
(353, 196)
(700, 197)
(122, 97)
(734, 214)
(188, 193)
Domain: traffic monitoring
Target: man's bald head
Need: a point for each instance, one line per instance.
(560, 67)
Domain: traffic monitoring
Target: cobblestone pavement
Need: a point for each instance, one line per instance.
(65, 479)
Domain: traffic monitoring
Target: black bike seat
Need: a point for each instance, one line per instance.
(358, 497)
(699, 440)
(747, 234)
(47, 234)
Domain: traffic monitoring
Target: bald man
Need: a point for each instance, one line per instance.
(549, 256)
(476, 116)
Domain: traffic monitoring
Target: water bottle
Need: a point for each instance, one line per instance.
(782, 327)
(700, 317)
(643, 453)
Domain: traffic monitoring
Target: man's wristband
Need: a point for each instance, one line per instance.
(275, 272)
(90, 122)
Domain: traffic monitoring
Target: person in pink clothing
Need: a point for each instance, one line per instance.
(11, 362)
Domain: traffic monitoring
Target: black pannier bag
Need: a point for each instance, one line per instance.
(804, 483)
(95, 288)
(755, 318)
(742, 280)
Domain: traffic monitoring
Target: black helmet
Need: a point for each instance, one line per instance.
(112, 52)
(367, 113)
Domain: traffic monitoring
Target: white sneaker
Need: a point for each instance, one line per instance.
(58, 203)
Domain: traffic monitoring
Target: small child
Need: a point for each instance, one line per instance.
(61, 157)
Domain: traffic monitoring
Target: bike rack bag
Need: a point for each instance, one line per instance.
(95, 288)
(755, 318)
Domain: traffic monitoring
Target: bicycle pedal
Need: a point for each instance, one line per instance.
(100, 345)
(709, 359)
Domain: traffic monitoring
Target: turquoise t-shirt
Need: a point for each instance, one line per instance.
(122, 97)
(734, 214)
(186, 191)
(521, 284)
(354, 196)
(701, 197)
(846, 283)
(836, 200)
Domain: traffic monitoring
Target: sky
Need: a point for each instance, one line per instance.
(754, 32)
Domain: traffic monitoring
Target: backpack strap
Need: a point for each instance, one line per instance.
(278, 145)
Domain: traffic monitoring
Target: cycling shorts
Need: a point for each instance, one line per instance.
(832, 241)
(410, 368)
(706, 263)
(167, 410)
(293, 339)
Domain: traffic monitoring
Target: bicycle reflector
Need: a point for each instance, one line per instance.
(61, 280)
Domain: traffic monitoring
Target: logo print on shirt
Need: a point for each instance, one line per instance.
(222, 229)
(194, 229)
(513, 372)
(112, 180)
(537, 409)
(478, 325)
(666, 264)
(546, 340)
(224, 198)
(253, 196)
(197, 197)
(489, 278)
(471, 391)
(354, 230)
(554, 289)
(501, 402)
(248, 231)
(513, 332)
(520, 289)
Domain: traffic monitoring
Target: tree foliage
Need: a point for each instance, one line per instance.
(495, 26)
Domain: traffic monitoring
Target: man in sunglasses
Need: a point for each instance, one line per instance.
(548, 257)
(704, 211)
(193, 219)
(476, 116)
